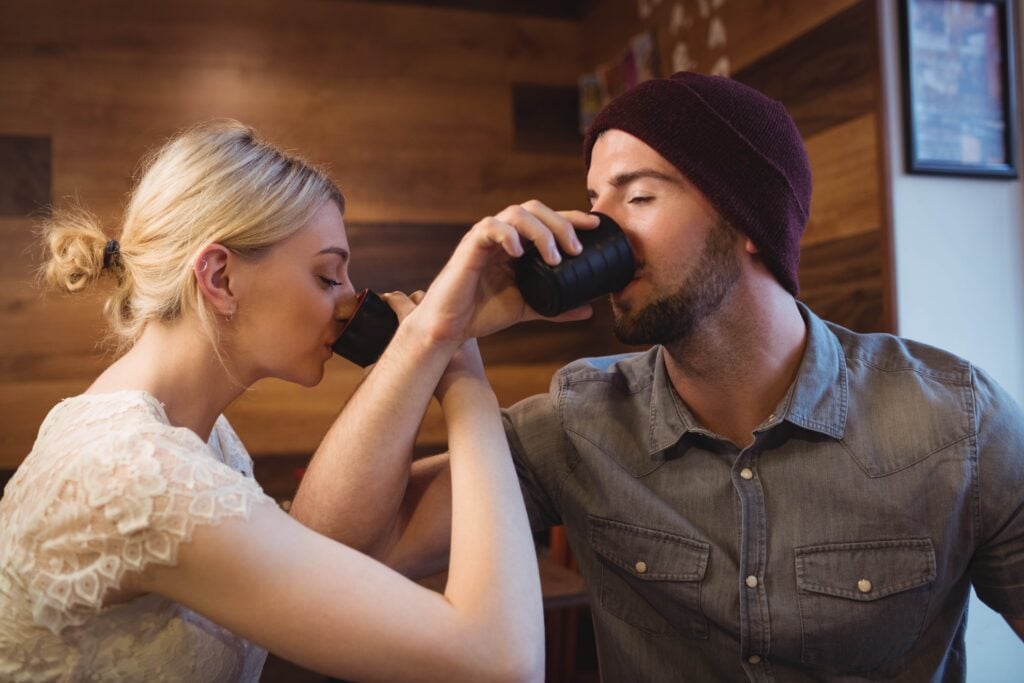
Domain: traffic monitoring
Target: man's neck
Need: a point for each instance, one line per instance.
(734, 371)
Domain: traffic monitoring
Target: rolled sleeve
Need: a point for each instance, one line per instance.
(997, 568)
(540, 452)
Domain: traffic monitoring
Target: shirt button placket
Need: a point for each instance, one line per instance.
(753, 635)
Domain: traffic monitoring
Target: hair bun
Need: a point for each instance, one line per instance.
(77, 250)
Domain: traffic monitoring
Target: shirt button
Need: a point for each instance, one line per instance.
(864, 586)
(747, 473)
(754, 659)
(751, 581)
(641, 567)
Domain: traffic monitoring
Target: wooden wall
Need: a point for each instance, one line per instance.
(422, 115)
(429, 118)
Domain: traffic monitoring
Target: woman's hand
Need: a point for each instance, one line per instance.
(466, 362)
(475, 294)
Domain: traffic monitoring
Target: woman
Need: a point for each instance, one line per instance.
(136, 511)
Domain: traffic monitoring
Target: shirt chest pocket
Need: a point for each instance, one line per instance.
(651, 579)
(863, 605)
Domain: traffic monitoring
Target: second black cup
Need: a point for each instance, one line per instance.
(604, 266)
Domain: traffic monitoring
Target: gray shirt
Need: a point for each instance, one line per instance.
(840, 545)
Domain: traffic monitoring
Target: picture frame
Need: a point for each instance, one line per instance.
(960, 111)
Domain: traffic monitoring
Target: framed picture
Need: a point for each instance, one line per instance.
(958, 87)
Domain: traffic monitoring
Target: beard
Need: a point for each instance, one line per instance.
(673, 318)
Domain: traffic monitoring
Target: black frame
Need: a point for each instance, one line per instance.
(935, 122)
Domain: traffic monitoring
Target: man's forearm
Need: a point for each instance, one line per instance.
(355, 483)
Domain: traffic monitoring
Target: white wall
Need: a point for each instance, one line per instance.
(959, 277)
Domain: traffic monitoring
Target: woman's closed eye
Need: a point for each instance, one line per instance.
(641, 199)
(329, 282)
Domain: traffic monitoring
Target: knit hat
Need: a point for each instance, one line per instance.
(737, 146)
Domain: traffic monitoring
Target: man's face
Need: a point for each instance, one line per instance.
(687, 256)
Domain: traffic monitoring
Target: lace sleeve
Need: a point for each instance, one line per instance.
(119, 504)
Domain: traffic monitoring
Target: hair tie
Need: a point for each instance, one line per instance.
(110, 253)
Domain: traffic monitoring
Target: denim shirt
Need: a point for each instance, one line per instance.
(840, 545)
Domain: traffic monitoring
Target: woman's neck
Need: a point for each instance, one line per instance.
(177, 365)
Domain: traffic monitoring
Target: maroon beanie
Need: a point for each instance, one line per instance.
(737, 146)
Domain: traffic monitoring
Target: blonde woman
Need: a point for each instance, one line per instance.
(135, 544)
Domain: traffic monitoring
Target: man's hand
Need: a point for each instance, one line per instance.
(475, 294)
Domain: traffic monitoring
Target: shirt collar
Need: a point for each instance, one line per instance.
(816, 401)
(820, 393)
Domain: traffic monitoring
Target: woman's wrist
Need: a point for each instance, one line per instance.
(465, 365)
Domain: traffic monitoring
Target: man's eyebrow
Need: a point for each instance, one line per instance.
(624, 179)
(340, 251)
(627, 178)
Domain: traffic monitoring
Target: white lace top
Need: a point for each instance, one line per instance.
(110, 487)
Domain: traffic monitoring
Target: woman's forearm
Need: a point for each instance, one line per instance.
(493, 568)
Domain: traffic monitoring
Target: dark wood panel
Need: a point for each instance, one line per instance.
(562, 9)
(546, 118)
(842, 281)
(24, 174)
(827, 76)
(403, 256)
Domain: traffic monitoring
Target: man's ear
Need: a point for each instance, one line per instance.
(211, 271)
(750, 247)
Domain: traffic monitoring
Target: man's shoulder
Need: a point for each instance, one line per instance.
(626, 372)
(880, 352)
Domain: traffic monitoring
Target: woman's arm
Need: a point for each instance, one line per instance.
(329, 608)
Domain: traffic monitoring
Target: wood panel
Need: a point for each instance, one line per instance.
(842, 280)
(412, 109)
(826, 77)
(847, 186)
(24, 174)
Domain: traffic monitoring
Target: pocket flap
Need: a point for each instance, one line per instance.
(647, 554)
(865, 571)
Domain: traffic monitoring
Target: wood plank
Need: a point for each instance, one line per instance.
(752, 29)
(842, 281)
(847, 188)
(23, 405)
(282, 419)
(305, 38)
(274, 418)
(562, 9)
(826, 77)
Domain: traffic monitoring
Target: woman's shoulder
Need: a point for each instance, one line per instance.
(109, 473)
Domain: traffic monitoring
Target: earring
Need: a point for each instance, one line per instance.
(203, 265)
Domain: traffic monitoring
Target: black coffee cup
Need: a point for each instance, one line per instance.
(604, 266)
(368, 331)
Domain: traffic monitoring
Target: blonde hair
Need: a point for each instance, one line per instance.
(216, 182)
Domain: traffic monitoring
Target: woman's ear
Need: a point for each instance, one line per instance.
(750, 247)
(211, 270)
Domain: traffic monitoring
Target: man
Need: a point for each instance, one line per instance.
(762, 495)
